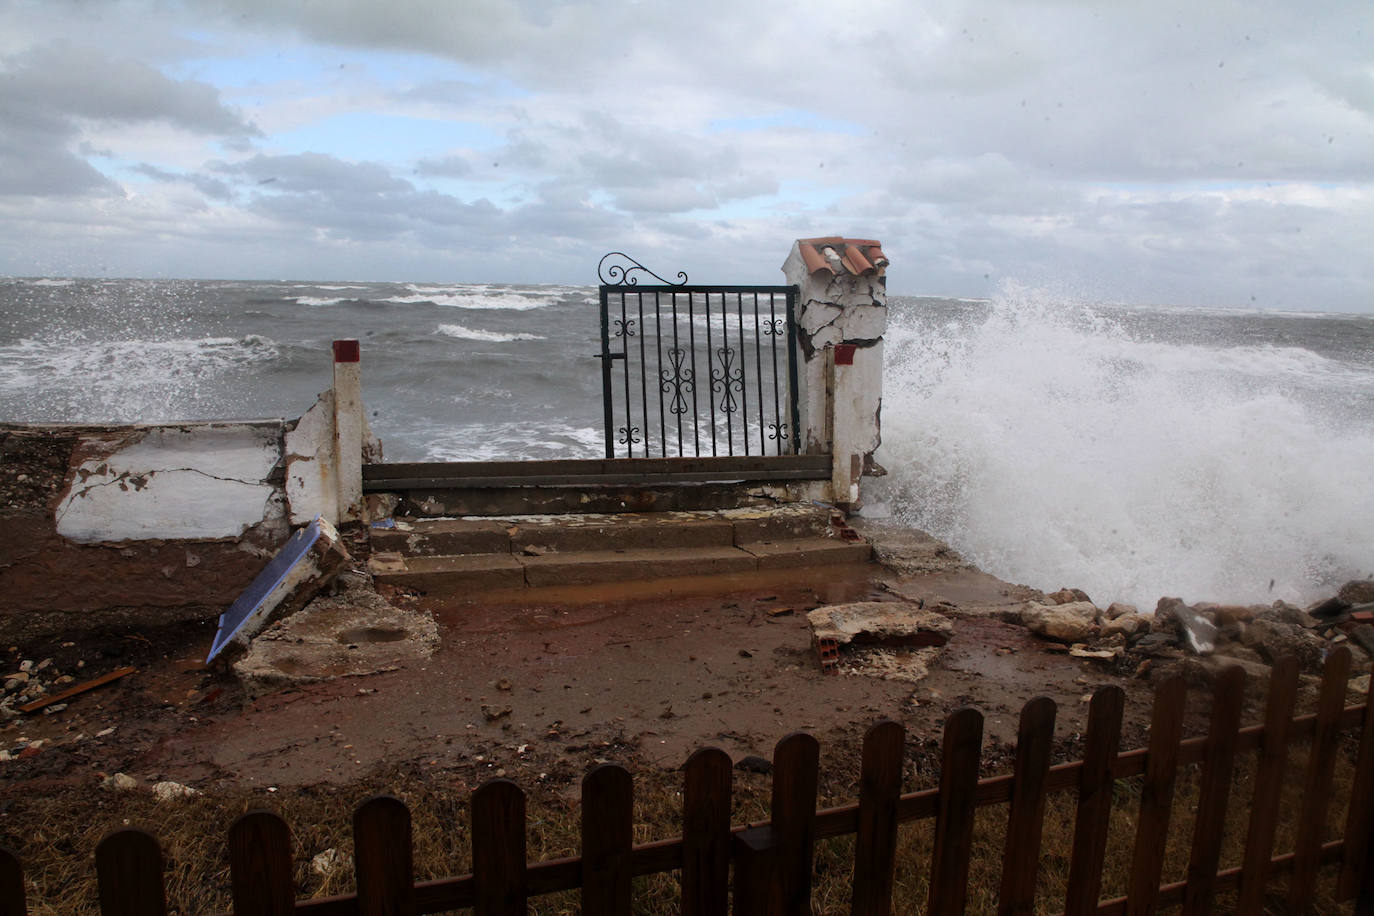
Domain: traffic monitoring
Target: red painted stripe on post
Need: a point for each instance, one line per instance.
(346, 351)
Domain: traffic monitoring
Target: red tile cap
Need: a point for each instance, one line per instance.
(835, 255)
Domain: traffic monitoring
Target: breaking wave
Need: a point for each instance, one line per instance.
(457, 330)
(1055, 446)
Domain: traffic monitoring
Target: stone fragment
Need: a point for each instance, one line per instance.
(331, 860)
(1118, 609)
(119, 782)
(1224, 614)
(171, 791)
(1274, 639)
(1127, 625)
(1073, 622)
(1195, 629)
(1357, 591)
(1078, 650)
(1068, 596)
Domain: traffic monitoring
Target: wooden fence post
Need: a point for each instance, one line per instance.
(1218, 769)
(1021, 855)
(128, 870)
(1156, 797)
(796, 764)
(1316, 796)
(875, 847)
(260, 871)
(706, 834)
(959, 762)
(1269, 772)
(12, 902)
(607, 837)
(1096, 787)
(383, 861)
(498, 849)
(1357, 868)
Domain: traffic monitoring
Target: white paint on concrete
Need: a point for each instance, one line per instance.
(190, 481)
(348, 439)
(310, 474)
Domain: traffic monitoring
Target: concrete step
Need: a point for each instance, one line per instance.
(620, 531)
(476, 573)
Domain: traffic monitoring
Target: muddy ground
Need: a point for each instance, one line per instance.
(542, 689)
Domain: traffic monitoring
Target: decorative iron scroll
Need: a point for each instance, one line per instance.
(677, 381)
(729, 378)
(617, 274)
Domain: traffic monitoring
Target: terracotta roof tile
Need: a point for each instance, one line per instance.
(861, 257)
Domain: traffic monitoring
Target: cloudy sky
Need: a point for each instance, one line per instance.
(1201, 153)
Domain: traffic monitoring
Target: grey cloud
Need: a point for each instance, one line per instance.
(45, 94)
(210, 187)
(453, 166)
(85, 82)
(307, 173)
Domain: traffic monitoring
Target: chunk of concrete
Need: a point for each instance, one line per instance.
(884, 623)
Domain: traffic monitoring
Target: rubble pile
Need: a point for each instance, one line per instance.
(1252, 636)
(31, 681)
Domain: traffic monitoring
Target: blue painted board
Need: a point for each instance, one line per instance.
(250, 602)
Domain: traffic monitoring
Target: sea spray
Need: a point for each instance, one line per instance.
(1056, 443)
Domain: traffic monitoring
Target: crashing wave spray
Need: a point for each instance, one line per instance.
(1057, 446)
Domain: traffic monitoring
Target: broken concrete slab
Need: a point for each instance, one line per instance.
(307, 563)
(894, 640)
(354, 633)
(884, 623)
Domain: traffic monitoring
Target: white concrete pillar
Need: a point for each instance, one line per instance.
(841, 317)
(348, 429)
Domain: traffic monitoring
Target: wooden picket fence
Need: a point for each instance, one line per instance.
(766, 868)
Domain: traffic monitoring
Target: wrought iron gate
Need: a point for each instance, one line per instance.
(702, 370)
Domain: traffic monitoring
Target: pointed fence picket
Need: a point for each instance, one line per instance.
(771, 864)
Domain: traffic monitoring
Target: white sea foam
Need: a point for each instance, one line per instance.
(51, 281)
(316, 300)
(512, 441)
(1053, 449)
(457, 330)
(123, 380)
(512, 302)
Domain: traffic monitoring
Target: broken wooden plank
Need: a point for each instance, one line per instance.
(76, 689)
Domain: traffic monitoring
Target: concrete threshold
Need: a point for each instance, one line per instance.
(453, 557)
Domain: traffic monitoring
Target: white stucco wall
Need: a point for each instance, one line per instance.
(191, 481)
(310, 467)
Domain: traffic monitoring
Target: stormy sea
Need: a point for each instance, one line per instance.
(1133, 452)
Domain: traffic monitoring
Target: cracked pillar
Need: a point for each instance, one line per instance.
(841, 317)
(349, 426)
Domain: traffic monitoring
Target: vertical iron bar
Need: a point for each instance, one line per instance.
(677, 380)
(743, 387)
(710, 353)
(629, 404)
(658, 349)
(777, 401)
(792, 369)
(692, 348)
(643, 369)
(758, 374)
(606, 410)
